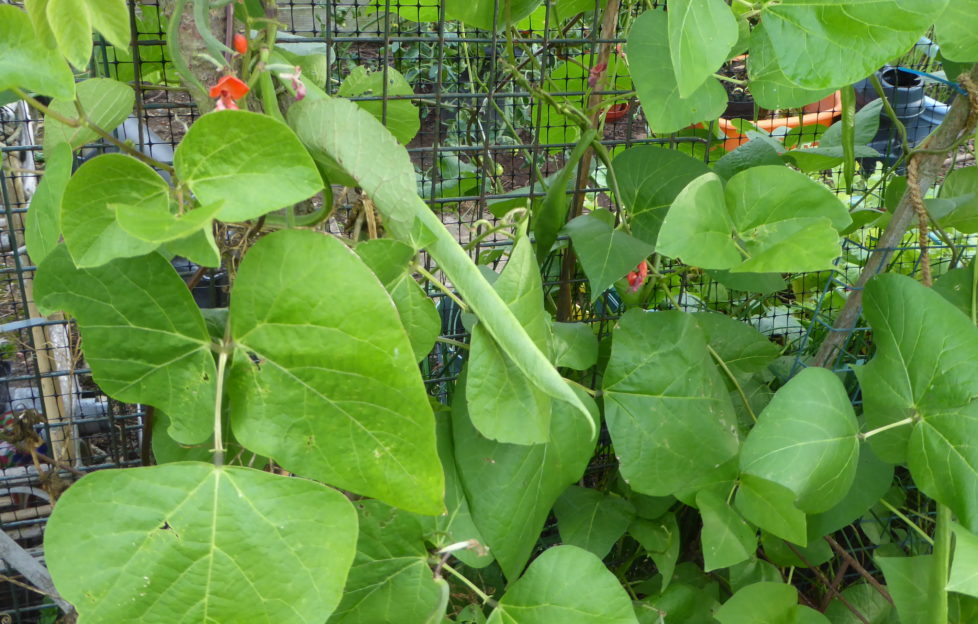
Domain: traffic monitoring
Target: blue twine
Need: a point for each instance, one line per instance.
(949, 83)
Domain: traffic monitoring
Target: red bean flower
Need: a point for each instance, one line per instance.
(228, 90)
(636, 278)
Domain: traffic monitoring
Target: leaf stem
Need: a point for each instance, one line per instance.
(942, 561)
(437, 284)
(454, 343)
(486, 599)
(83, 121)
(730, 375)
(913, 525)
(222, 360)
(909, 420)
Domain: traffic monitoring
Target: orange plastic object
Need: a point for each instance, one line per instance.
(824, 112)
(617, 111)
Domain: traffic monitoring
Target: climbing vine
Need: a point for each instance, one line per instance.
(405, 509)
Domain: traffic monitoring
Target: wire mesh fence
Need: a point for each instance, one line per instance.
(481, 145)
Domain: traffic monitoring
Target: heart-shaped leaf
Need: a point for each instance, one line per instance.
(727, 539)
(701, 34)
(390, 580)
(511, 487)
(240, 158)
(138, 354)
(189, 542)
(592, 520)
(766, 219)
(28, 63)
(606, 254)
(649, 179)
(330, 391)
(565, 584)
(504, 405)
(400, 116)
(925, 369)
(390, 261)
(667, 408)
(771, 507)
(91, 231)
(655, 79)
(106, 103)
(853, 39)
(813, 457)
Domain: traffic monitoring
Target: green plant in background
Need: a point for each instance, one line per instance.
(731, 473)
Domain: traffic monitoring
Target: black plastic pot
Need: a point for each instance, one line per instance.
(919, 113)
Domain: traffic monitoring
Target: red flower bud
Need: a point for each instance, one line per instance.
(595, 73)
(240, 43)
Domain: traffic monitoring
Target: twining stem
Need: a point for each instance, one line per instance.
(222, 360)
(913, 525)
(83, 121)
(730, 376)
(909, 420)
(486, 599)
(454, 343)
(434, 281)
(942, 561)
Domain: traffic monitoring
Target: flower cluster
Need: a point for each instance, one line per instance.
(636, 278)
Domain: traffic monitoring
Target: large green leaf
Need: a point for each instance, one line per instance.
(71, 23)
(568, 585)
(958, 183)
(489, 14)
(457, 525)
(390, 580)
(766, 219)
(390, 260)
(667, 409)
(760, 603)
(853, 39)
(145, 339)
(914, 585)
(770, 506)
(925, 368)
(504, 405)
(333, 392)
(574, 345)
(91, 232)
(160, 225)
(240, 158)
(954, 32)
(768, 84)
(741, 347)
(189, 542)
(605, 253)
(727, 539)
(701, 35)
(867, 600)
(400, 116)
(964, 569)
(873, 479)
(551, 214)
(510, 487)
(43, 228)
(655, 79)
(341, 132)
(26, 62)
(661, 540)
(106, 102)
(592, 520)
(649, 179)
(813, 457)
